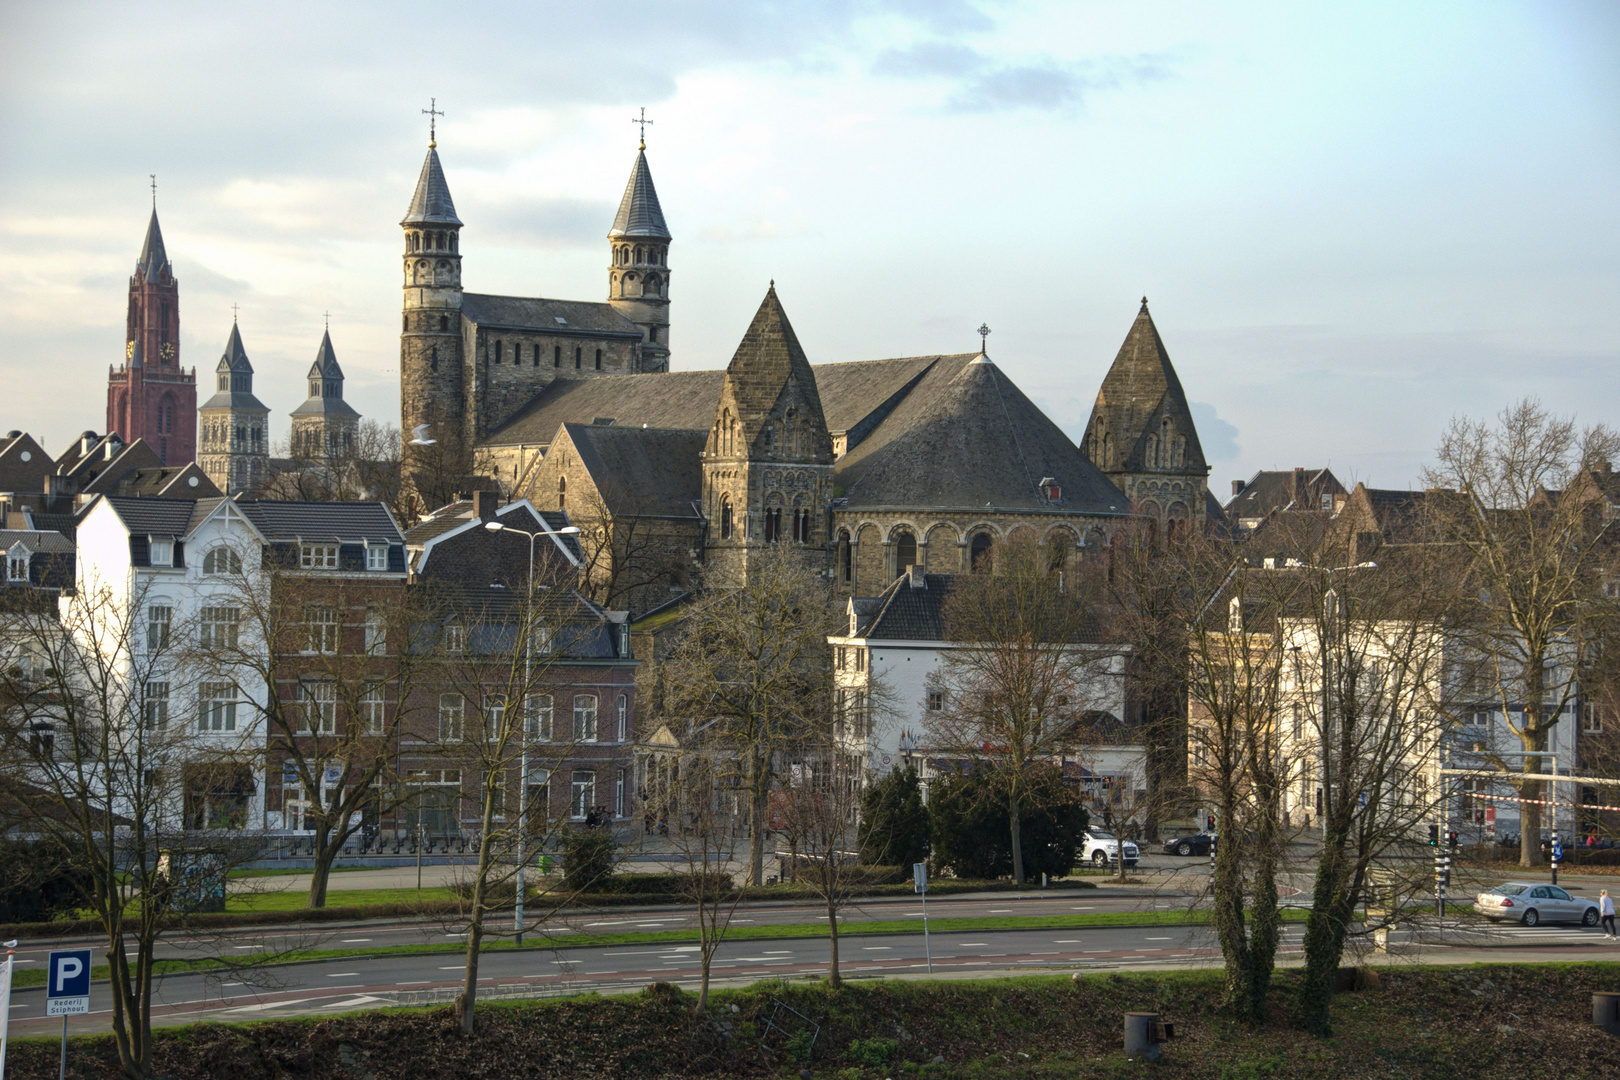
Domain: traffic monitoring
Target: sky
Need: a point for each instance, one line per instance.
(1352, 221)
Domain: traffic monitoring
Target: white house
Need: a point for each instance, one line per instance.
(896, 641)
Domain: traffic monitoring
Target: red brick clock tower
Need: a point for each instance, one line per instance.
(150, 396)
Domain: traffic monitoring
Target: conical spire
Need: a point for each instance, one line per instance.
(431, 203)
(1138, 394)
(639, 213)
(768, 363)
(154, 260)
(235, 358)
(326, 364)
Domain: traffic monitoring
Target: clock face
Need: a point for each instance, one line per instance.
(129, 350)
(168, 350)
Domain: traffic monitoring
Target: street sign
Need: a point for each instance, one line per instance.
(67, 983)
(919, 877)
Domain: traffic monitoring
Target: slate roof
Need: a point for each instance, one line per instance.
(675, 399)
(17, 475)
(1284, 490)
(168, 480)
(342, 522)
(539, 314)
(639, 213)
(325, 369)
(50, 543)
(234, 361)
(156, 517)
(1140, 389)
(431, 204)
(643, 472)
(154, 259)
(909, 613)
(856, 396)
(966, 438)
(447, 517)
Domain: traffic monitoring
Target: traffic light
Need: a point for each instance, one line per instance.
(1211, 823)
(1451, 840)
(1434, 836)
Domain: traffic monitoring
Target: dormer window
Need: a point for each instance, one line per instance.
(162, 553)
(377, 557)
(17, 566)
(318, 557)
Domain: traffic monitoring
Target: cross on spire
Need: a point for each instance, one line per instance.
(233, 314)
(154, 189)
(433, 112)
(328, 316)
(984, 334)
(643, 121)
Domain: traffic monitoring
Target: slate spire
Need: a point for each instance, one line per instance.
(639, 213)
(326, 363)
(431, 203)
(1140, 392)
(154, 260)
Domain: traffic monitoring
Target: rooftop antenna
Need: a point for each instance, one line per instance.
(643, 121)
(433, 112)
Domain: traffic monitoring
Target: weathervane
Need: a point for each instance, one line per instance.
(643, 121)
(984, 333)
(433, 112)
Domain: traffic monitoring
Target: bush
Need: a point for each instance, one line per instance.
(651, 884)
(589, 859)
(871, 1051)
(970, 829)
(496, 893)
(37, 882)
(894, 827)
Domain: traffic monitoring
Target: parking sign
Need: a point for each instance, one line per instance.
(67, 984)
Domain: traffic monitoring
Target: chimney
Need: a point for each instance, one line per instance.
(1238, 486)
(484, 503)
(1299, 487)
(915, 573)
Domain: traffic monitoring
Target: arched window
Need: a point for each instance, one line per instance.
(1152, 452)
(725, 517)
(769, 438)
(801, 525)
(846, 556)
(498, 352)
(404, 326)
(905, 550)
(650, 285)
(979, 553)
(562, 492)
(624, 717)
(1058, 546)
(222, 560)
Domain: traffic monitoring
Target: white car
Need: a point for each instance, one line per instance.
(1102, 847)
(1532, 903)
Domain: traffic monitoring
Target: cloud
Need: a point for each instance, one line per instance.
(1218, 437)
(983, 84)
(546, 221)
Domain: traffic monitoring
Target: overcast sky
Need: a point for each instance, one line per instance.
(1351, 220)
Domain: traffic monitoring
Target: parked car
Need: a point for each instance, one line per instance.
(1196, 844)
(1533, 903)
(1102, 848)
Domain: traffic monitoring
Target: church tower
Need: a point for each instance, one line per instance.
(430, 352)
(325, 425)
(235, 450)
(638, 280)
(768, 461)
(150, 396)
(1141, 433)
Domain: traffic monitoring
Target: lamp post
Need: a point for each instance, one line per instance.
(523, 767)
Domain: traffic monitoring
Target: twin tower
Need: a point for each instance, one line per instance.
(469, 362)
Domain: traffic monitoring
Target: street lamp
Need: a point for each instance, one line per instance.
(523, 768)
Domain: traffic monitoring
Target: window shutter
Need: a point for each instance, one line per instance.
(351, 557)
(179, 553)
(140, 552)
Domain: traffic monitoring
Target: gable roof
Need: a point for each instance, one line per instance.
(967, 438)
(911, 613)
(39, 542)
(639, 213)
(543, 315)
(158, 517)
(1140, 389)
(168, 480)
(768, 358)
(856, 396)
(24, 464)
(1296, 489)
(340, 522)
(450, 522)
(642, 472)
(671, 399)
(431, 203)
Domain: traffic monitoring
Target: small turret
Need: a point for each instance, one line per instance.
(638, 279)
(234, 425)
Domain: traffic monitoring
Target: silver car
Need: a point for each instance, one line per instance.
(1533, 903)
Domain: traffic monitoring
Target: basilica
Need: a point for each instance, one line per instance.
(866, 467)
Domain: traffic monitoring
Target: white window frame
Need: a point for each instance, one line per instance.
(219, 627)
(538, 721)
(17, 567)
(624, 717)
(376, 557)
(581, 794)
(1591, 719)
(374, 709)
(216, 707)
(452, 717)
(317, 698)
(494, 716)
(322, 634)
(160, 552)
(376, 633)
(225, 554)
(159, 625)
(155, 706)
(585, 710)
(318, 556)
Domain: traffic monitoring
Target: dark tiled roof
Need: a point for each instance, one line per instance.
(518, 515)
(541, 315)
(169, 481)
(447, 517)
(912, 614)
(968, 438)
(1284, 490)
(677, 399)
(17, 475)
(343, 522)
(154, 260)
(154, 517)
(430, 203)
(1140, 390)
(857, 395)
(50, 542)
(639, 213)
(643, 472)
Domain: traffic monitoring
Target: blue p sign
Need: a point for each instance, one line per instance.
(67, 983)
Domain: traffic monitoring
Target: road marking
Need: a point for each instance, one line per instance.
(354, 940)
(1067, 941)
(260, 945)
(455, 967)
(343, 975)
(972, 944)
(1158, 939)
(877, 948)
(1001, 911)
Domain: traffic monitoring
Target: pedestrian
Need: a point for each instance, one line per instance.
(1606, 912)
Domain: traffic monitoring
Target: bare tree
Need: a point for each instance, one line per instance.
(1022, 657)
(818, 814)
(364, 468)
(1535, 559)
(630, 561)
(754, 667)
(336, 657)
(103, 771)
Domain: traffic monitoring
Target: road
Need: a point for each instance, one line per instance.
(330, 986)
